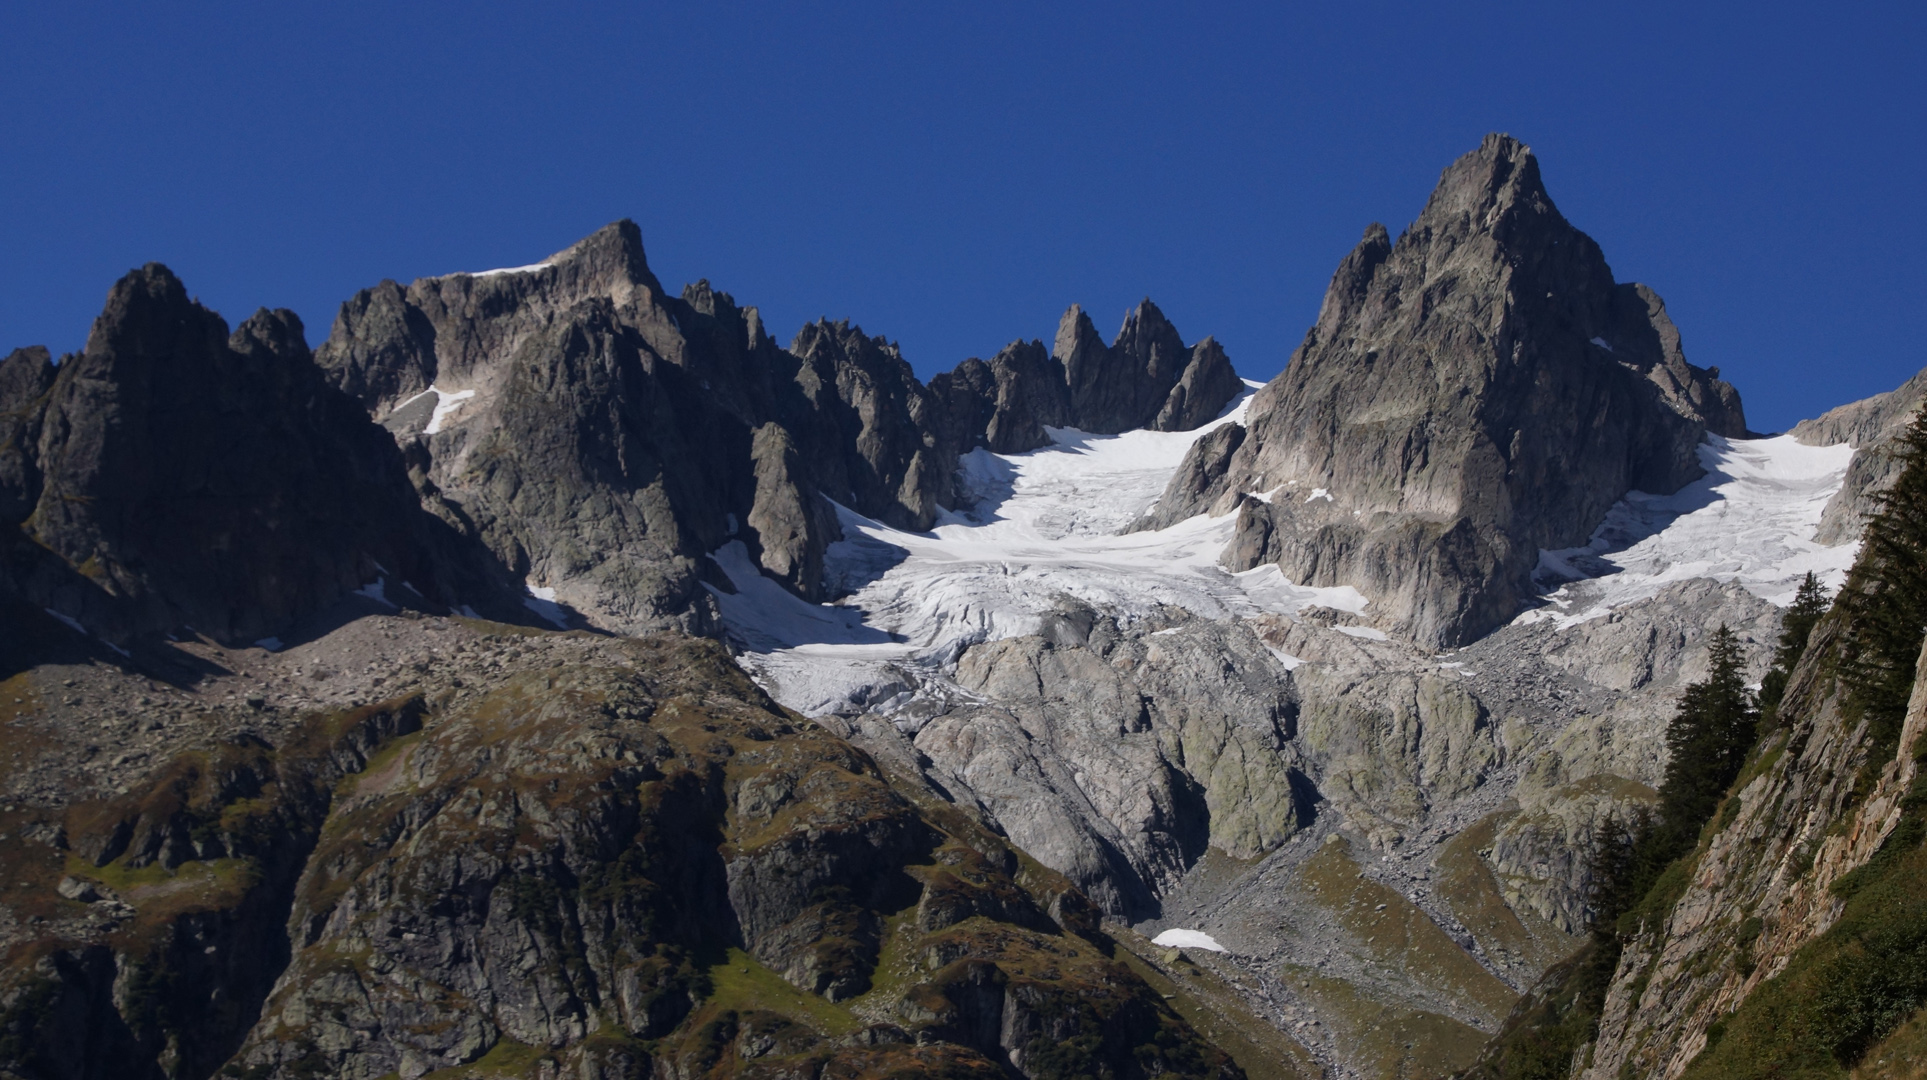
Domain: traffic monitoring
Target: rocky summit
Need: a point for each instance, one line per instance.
(1475, 391)
(550, 675)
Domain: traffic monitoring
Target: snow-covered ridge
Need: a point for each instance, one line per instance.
(1750, 519)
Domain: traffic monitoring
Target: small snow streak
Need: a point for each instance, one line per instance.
(445, 405)
(529, 269)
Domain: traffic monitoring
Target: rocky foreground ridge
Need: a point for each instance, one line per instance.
(418, 705)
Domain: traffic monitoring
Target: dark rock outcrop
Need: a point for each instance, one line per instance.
(189, 477)
(1004, 405)
(1471, 393)
(25, 378)
(1145, 378)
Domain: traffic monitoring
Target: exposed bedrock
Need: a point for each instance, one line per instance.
(602, 437)
(1472, 392)
(172, 475)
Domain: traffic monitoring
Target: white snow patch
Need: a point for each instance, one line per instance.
(272, 644)
(1291, 662)
(1602, 343)
(541, 600)
(70, 622)
(468, 611)
(1188, 939)
(1365, 632)
(529, 269)
(1319, 493)
(1750, 519)
(446, 402)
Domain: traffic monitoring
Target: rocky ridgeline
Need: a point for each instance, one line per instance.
(601, 437)
(174, 475)
(1472, 392)
(568, 427)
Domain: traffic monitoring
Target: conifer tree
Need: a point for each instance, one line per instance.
(1707, 743)
(1885, 598)
(1796, 627)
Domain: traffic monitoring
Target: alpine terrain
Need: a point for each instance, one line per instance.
(547, 675)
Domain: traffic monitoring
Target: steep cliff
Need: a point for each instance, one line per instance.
(1473, 392)
(1872, 426)
(174, 476)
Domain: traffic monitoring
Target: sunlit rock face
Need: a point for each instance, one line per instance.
(1472, 392)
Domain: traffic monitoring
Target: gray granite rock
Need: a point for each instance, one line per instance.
(1476, 391)
(1871, 426)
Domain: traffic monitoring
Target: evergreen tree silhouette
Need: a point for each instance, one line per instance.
(1885, 597)
(1796, 628)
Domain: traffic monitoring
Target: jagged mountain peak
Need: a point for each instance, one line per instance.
(1475, 391)
(1502, 174)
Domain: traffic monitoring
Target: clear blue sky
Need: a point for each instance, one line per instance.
(952, 176)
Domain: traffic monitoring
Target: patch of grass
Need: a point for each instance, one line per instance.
(1392, 1041)
(1219, 1014)
(1900, 1056)
(1395, 933)
(741, 984)
(1469, 887)
(159, 894)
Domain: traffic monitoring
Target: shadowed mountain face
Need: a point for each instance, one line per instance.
(1472, 392)
(173, 475)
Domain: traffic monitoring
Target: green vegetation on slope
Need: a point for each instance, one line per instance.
(1850, 988)
(1884, 602)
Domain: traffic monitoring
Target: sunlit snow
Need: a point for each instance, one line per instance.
(1042, 527)
(1188, 939)
(1045, 527)
(1750, 519)
(530, 268)
(446, 402)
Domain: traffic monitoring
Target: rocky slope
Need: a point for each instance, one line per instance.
(1473, 392)
(526, 852)
(173, 476)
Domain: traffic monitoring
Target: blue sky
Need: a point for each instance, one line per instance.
(952, 176)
